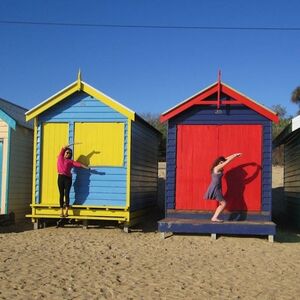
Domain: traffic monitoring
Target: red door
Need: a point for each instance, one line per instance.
(199, 145)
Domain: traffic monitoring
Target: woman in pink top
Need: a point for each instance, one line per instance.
(64, 181)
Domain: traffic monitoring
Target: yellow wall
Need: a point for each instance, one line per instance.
(55, 136)
(101, 144)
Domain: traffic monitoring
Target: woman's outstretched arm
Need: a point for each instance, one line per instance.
(228, 159)
(85, 167)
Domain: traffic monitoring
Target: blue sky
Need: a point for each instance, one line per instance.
(146, 69)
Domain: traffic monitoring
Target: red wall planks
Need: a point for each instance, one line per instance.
(199, 145)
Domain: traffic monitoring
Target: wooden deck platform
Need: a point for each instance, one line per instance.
(178, 225)
(226, 216)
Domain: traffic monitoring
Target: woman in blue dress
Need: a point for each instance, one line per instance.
(214, 190)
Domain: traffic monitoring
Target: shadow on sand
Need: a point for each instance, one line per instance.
(149, 221)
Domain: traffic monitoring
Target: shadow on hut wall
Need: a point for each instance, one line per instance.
(161, 186)
(287, 231)
(8, 225)
(149, 221)
(236, 179)
(82, 181)
(279, 209)
(7, 219)
(156, 213)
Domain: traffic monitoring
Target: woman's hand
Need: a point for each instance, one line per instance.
(68, 146)
(238, 154)
(85, 167)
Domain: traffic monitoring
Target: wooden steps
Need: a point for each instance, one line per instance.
(179, 225)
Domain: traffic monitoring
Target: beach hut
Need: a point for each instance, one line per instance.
(290, 139)
(119, 146)
(219, 121)
(16, 137)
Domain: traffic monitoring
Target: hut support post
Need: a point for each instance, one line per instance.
(271, 238)
(165, 235)
(126, 228)
(85, 224)
(36, 224)
(213, 236)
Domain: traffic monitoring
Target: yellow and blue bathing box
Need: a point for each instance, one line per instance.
(118, 145)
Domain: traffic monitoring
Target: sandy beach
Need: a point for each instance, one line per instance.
(106, 263)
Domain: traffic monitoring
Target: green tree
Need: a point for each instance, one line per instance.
(296, 95)
(280, 110)
(284, 120)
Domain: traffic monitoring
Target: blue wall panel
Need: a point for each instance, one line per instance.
(38, 165)
(81, 107)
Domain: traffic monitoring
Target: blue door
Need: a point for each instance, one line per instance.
(1, 152)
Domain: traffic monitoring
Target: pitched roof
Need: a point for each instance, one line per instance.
(15, 112)
(202, 98)
(76, 86)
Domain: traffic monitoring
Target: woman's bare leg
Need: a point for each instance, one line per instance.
(219, 209)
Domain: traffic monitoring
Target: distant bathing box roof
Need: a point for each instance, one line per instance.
(288, 132)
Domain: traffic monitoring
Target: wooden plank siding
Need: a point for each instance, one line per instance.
(231, 115)
(4, 137)
(103, 185)
(292, 177)
(20, 173)
(144, 166)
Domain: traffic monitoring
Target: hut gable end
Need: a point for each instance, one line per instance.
(81, 107)
(73, 89)
(220, 97)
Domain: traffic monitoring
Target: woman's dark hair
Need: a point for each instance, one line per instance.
(69, 149)
(216, 162)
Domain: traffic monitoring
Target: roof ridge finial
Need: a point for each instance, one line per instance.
(219, 91)
(79, 80)
(79, 75)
